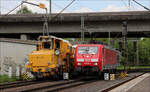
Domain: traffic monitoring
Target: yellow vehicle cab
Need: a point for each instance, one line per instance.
(53, 57)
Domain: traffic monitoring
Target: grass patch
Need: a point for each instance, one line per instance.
(5, 78)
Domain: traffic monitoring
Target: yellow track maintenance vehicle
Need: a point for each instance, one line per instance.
(52, 59)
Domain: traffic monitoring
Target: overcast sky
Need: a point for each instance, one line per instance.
(77, 6)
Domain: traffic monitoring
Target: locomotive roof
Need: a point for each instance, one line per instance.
(60, 39)
(55, 38)
(106, 46)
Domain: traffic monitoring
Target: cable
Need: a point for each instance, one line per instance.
(62, 10)
(132, 5)
(67, 0)
(125, 4)
(13, 9)
(141, 5)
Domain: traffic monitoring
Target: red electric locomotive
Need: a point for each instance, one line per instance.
(95, 58)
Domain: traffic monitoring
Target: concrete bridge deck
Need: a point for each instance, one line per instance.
(76, 17)
(97, 24)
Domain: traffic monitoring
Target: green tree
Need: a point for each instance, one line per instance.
(144, 51)
(24, 10)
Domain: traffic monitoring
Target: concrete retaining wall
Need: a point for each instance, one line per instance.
(14, 53)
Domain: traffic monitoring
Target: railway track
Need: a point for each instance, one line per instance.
(117, 85)
(50, 86)
(60, 86)
(18, 84)
(53, 86)
(73, 83)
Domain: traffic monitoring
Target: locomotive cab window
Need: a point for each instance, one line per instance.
(88, 50)
(57, 44)
(47, 44)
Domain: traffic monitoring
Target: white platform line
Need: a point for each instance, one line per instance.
(125, 87)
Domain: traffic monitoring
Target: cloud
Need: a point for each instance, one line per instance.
(83, 9)
(113, 8)
(109, 8)
(58, 11)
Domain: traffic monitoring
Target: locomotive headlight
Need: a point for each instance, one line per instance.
(80, 60)
(79, 63)
(94, 60)
(57, 52)
(94, 63)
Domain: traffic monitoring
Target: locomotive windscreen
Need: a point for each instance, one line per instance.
(88, 50)
(47, 44)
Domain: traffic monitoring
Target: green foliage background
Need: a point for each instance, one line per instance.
(143, 49)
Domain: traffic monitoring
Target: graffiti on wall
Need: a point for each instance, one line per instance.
(26, 60)
(9, 62)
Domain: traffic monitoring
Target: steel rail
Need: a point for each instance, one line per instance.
(60, 86)
(19, 84)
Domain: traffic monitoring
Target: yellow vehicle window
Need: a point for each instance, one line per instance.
(47, 45)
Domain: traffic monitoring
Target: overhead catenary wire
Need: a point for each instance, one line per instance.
(133, 7)
(37, 5)
(45, 27)
(53, 18)
(62, 10)
(141, 5)
(47, 0)
(13, 9)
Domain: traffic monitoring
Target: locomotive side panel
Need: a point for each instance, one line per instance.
(110, 59)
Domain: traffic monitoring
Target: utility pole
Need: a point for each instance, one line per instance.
(21, 9)
(50, 7)
(137, 53)
(0, 7)
(129, 3)
(21, 12)
(125, 51)
(82, 28)
(109, 42)
(136, 50)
